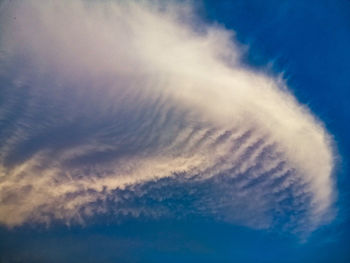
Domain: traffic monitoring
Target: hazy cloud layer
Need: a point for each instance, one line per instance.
(139, 109)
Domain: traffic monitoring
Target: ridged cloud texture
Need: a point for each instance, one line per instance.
(137, 108)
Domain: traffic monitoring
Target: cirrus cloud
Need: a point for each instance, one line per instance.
(133, 109)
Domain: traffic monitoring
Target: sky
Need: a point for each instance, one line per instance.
(174, 131)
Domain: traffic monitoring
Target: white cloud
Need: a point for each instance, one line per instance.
(116, 95)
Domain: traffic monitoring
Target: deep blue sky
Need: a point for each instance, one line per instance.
(310, 42)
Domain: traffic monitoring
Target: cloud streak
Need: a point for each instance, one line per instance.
(137, 109)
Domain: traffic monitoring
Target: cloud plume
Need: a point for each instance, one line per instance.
(138, 109)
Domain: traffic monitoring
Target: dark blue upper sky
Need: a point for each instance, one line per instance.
(309, 41)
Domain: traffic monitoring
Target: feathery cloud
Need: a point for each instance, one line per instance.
(130, 108)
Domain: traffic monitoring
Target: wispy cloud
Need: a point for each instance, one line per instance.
(134, 108)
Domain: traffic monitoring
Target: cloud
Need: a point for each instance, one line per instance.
(138, 109)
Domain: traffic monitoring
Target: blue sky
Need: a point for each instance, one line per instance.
(308, 41)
